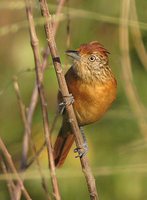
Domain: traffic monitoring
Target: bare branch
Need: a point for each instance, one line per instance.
(34, 98)
(27, 128)
(130, 89)
(39, 77)
(64, 90)
(30, 113)
(44, 144)
(13, 169)
(136, 35)
(10, 182)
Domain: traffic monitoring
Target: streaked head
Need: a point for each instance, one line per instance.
(90, 60)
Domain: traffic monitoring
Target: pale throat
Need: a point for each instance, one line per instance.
(90, 73)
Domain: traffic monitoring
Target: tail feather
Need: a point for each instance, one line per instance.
(62, 146)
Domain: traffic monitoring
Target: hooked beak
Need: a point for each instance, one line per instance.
(74, 54)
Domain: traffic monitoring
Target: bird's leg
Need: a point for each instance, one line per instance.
(82, 151)
(69, 100)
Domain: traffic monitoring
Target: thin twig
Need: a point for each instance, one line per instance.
(10, 183)
(30, 113)
(68, 27)
(136, 35)
(39, 77)
(55, 28)
(34, 98)
(129, 86)
(13, 169)
(31, 161)
(65, 93)
(22, 112)
(27, 127)
(103, 171)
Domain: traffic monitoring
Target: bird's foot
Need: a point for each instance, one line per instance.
(82, 151)
(69, 100)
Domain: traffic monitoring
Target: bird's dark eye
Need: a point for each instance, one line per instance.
(92, 58)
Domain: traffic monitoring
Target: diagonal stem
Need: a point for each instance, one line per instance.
(34, 97)
(10, 181)
(39, 79)
(129, 86)
(13, 169)
(33, 147)
(65, 93)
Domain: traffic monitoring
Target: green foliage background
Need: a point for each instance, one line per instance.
(117, 150)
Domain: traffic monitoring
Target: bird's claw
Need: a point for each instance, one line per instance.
(79, 151)
(69, 101)
(82, 151)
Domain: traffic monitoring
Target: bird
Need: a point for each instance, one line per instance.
(93, 86)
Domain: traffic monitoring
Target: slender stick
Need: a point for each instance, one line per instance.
(129, 86)
(34, 98)
(27, 127)
(44, 144)
(39, 77)
(136, 35)
(13, 169)
(10, 182)
(30, 113)
(64, 90)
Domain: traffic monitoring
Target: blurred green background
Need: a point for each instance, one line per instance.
(117, 148)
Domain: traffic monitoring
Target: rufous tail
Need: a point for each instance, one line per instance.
(62, 146)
